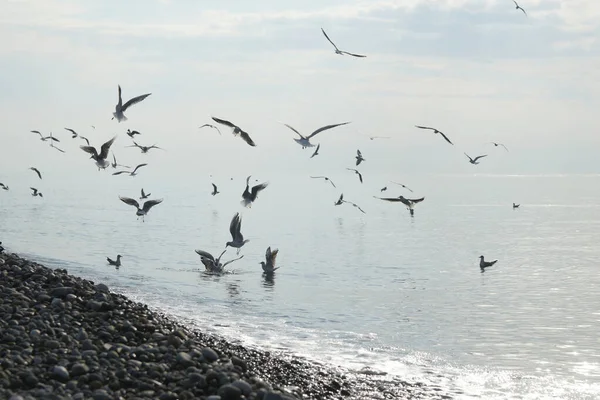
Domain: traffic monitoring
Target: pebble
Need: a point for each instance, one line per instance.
(60, 373)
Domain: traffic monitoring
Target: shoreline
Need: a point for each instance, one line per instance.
(62, 336)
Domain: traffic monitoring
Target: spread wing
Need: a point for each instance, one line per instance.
(86, 140)
(235, 225)
(37, 172)
(272, 256)
(316, 150)
(391, 199)
(130, 201)
(214, 187)
(416, 200)
(424, 127)
(34, 190)
(353, 55)
(72, 131)
(120, 102)
(143, 194)
(445, 137)
(230, 261)
(89, 149)
(224, 122)
(299, 134)
(247, 138)
(151, 203)
(324, 128)
(256, 189)
(139, 166)
(358, 153)
(121, 172)
(106, 147)
(133, 101)
(359, 176)
(322, 30)
(478, 157)
(469, 157)
(205, 255)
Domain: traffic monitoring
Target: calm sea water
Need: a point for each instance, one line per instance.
(382, 290)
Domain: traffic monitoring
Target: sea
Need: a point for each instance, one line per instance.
(381, 291)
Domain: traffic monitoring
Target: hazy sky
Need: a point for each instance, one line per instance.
(478, 70)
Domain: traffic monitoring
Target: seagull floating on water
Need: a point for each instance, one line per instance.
(316, 153)
(485, 264)
(518, 7)
(404, 186)
(236, 130)
(304, 141)
(499, 144)
(144, 196)
(215, 191)
(210, 126)
(141, 212)
(131, 133)
(235, 229)
(131, 173)
(515, 205)
(357, 173)
(214, 265)
(435, 131)
(324, 177)
(474, 160)
(338, 51)
(36, 192)
(120, 108)
(409, 203)
(268, 266)
(359, 158)
(117, 263)
(34, 169)
(101, 159)
(3, 186)
(250, 195)
(145, 149)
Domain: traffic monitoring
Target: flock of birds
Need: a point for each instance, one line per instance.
(250, 194)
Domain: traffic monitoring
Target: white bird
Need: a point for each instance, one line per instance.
(210, 126)
(304, 141)
(236, 130)
(409, 203)
(144, 195)
(518, 7)
(360, 178)
(131, 173)
(249, 196)
(120, 108)
(499, 144)
(141, 212)
(270, 256)
(404, 186)
(114, 164)
(235, 229)
(101, 159)
(474, 160)
(214, 265)
(73, 132)
(34, 169)
(145, 149)
(338, 51)
(324, 177)
(435, 131)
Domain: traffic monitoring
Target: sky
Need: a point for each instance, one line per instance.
(480, 71)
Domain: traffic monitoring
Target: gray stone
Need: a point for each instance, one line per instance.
(210, 354)
(185, 359)
(61, 291)
(244, 386)
(101, 287)
(213, 397)
(235, 360)
(229, 392)
(101, 394)
(60, 373)
(273, 396)
(79, 369)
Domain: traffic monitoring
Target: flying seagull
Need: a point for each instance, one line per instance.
(338, 51)
(436, 131)
(44, 138)
(215, 191)
(145, 149)
(34, 169)
(73, 132)
(101, 161)
(270, 256)
(499, 144)
(131, 173)
(84, 138)
(141, 212)
(485, 264)
(120, 108)
(3, 186)
(236, 130)
(383, 189)
(214, 265)
(518, 7)
(404, 186)
(324, 177)
(114, 164)
(210, 126)
(316, 153)
(250, 195)
(340, 200)
(57, 148)
(235, 229)
(516, 205)
(36, 192)
(359, 158)
(144, 195)
(131, 133)
(357, 173)
(474, 160)
(409, 203)
(304, 141)
(117, 263)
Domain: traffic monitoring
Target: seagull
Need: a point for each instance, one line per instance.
(474, 160)
(340, 200)
(324, 177)
(304, 141)
(357, 173)
(518, 7)
(36, 192)
(131, 133)
(34, 169)
(236, 130)
(210, 126)
(270, 256)
(44, 138)
(101, 161)
(141, 212)
(316, 153)
(215, 191)
(383, 189)
(404, 186)
(499, 144)
(338, 51)
(485, 264)
(237, 238)
(144, 196)
(84, 138)
(409, 203)
(73, 132)
(435, 131)
(145, 149)
(516, 205)
(359, 158)
(250, 195)
(54, 147)
(120, 108)
(131, 173)
(117, 263)
(3, 186)
(379, 137)
(214, 265)
(115, 165)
